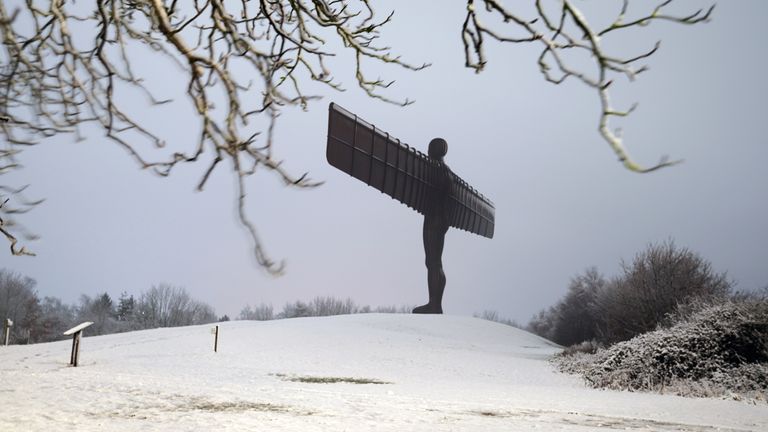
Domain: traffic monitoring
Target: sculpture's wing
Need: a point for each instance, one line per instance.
(469, 210)
(402, 172)
(378, 159)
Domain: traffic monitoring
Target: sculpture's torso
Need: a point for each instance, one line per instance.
(436, 211)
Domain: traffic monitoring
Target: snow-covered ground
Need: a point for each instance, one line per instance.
(427, 373)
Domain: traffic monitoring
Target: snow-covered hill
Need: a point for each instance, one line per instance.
(354, 373)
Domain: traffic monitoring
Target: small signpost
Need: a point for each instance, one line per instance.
(7, 324)
(76, 332)
(215, 333)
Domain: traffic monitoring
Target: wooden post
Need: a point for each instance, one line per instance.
(76, 333)
(75, 349)
(216, 339)
(7, 324)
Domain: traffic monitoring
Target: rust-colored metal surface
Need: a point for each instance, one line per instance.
(383, 162)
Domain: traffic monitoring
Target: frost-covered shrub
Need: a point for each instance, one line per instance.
(650, 287)
(722, 347)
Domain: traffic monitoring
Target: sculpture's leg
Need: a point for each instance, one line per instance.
(434, 239)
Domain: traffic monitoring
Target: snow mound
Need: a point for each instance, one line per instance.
(354, 372)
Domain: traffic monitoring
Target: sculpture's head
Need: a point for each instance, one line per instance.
(438, 148)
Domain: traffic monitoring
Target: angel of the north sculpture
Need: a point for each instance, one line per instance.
(422, 182)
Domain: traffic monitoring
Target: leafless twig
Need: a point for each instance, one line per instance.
(567, 29)
(11, 239)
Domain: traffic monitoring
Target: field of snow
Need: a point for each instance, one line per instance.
(345, 373)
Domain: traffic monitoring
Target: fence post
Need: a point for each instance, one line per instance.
(7, 324)
(76, 348)
(215, 332)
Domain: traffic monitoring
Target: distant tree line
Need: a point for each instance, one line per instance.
(44, 320)
(654, 285)
(658, 283)
(492, 315)
(317, 307)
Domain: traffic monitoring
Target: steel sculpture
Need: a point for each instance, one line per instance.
(422, 182)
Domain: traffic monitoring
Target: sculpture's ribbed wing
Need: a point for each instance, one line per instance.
(469, 210)
(402, 172)
(381, 161)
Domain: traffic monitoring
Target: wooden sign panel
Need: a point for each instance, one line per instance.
(77, 328)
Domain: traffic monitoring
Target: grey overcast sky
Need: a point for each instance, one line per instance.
(563, 202)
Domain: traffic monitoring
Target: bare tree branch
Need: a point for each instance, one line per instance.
(64, 65)
(11, 239)
(55, 80)
(572, 32)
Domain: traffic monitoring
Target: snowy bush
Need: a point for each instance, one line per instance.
(720, 350)
(586, 347)
(650, 287)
